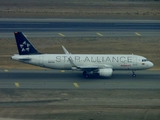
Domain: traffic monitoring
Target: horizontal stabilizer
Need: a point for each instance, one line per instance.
(25, 59)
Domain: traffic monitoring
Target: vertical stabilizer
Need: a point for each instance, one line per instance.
(23, 45)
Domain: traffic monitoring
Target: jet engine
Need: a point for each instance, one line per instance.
(106, 72)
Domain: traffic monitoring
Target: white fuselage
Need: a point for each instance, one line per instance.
(61, 61)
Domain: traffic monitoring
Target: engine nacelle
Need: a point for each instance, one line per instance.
(106, 72)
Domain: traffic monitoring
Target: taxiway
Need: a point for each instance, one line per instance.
(53, 79)
(79, 27)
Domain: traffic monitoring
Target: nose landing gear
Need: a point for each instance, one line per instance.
(133, 74)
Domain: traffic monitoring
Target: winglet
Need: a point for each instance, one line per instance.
(24, 46)
(65, 50)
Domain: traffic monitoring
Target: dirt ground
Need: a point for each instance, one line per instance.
(102, 9)
(80, 104)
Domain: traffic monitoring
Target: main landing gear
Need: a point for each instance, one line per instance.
(85, 74)
(133, 74)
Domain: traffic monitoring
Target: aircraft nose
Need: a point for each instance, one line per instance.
(150, 64)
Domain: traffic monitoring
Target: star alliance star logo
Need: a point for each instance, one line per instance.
(25, 46)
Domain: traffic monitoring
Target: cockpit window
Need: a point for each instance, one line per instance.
(144, 60)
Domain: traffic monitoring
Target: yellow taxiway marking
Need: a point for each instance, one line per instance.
(16, 84)
(5, 70)
(62, 70)
(76, 85)
(61, 34)
(137, 34)
(99, 34)
(64, 94)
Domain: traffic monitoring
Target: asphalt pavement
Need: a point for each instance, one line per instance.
(55, 79)
(79, 27)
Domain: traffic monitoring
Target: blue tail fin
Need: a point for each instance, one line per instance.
(23, 45)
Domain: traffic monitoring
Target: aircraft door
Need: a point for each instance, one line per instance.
(134, 61)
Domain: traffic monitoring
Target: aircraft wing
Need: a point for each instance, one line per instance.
(88, 67)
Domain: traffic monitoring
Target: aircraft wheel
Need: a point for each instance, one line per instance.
(134, 75)
(85, 74)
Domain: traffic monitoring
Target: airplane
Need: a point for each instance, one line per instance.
(101, 64)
